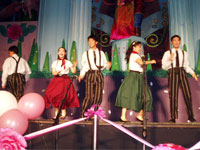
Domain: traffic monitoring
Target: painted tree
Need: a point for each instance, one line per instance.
(149, 66)
(185, 47)
(73, 56)
(19, 45)
(63, 43)
(34, 65)
(115, 60)
(198, 60)
(30, 60)
(45, 68)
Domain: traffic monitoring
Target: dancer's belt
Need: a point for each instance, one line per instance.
(136, 71)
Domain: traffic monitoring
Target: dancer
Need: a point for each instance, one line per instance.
(131, 92)
(177, 63)
(57, 89)
(16, 73)
(93, 62)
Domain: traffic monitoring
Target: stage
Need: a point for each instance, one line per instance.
(79, 136)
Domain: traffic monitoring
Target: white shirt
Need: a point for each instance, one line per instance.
(84, 61)
(133, 65)
(166, 62)
(9, 66)
(63, 69)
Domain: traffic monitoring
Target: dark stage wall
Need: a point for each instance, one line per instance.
(79, 136)
(159, 88)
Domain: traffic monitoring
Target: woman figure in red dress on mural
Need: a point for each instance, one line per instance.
(128, 19)
(57, 89)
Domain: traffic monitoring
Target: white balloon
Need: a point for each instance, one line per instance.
(7, 102)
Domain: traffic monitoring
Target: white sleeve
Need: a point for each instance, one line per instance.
(84, 63)
(5, 72)
(104, 60)
(186, 65)
(166, 62)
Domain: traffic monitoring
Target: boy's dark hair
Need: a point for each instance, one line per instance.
(175, 36)
(13, 49)
(92, 37)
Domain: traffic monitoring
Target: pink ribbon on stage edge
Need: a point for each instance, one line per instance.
(53, 128)
(101, 114)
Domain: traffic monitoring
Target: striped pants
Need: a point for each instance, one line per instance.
(178, 76)
(16, 83)
(93, 89)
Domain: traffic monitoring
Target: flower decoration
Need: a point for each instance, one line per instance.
(91, 112)
(168, 146)
(14, 32)
(11, 140)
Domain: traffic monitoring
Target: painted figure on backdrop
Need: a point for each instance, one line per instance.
(19, 10)
(131, 92)
(60, 84)
(15, 73)
(177, 63)
(93, 62)
(128, 19)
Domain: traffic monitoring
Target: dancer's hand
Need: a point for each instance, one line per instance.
(195, 76)
(153, 61)
(80, 78)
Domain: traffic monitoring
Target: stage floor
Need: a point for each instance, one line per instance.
(79, 136)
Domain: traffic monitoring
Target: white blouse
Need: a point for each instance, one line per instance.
(133, 65)
(63, 69)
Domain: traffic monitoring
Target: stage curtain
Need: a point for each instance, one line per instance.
(184, 20)
(63, 19)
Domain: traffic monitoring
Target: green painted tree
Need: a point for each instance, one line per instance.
(73, 56)
(149, 66)
(63, 43)
(30, 60)
(185, 47)
(115, 60)
(45, 68)
(19, 45)
(198, 60)
(34, 65)
(107, 58)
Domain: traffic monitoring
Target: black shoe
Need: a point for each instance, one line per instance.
(172, 121)
(191, 120)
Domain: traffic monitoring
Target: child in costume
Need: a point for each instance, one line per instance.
(131, 92)
(57, 89)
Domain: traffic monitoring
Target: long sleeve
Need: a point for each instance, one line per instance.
(104, 61)
(84, 64)
(186, 65)
(166, 62)
(5, 72)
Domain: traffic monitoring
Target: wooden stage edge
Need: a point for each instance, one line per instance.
(129, 124)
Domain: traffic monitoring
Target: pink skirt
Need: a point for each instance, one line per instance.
(57, 90)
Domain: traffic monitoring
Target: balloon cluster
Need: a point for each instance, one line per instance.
(16, 115)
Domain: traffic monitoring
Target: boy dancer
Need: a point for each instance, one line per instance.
(93, 62)
(176, 62)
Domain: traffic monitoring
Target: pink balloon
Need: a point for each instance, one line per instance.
(14, 119)
(32, 105)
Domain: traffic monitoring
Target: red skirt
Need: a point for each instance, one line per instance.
(57, 90)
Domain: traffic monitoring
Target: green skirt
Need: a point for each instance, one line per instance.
(131, 93)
